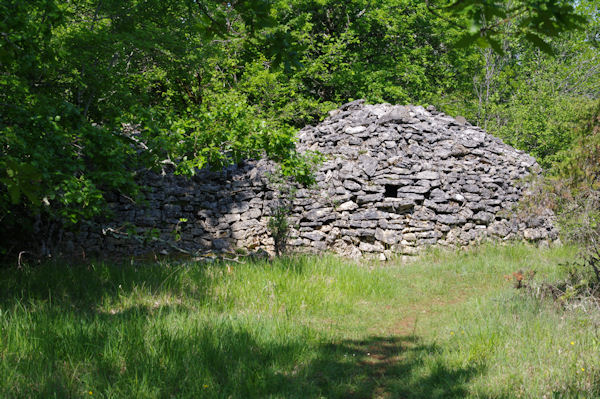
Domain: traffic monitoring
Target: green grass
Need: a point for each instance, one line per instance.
(446, 326)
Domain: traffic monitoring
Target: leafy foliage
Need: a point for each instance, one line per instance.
(484, 20)
(581, 164)
(93, 91)
(533, 100)
(74, 74)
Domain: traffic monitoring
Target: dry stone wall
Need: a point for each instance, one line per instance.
(395, 179)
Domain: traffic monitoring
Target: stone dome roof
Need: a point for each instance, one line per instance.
(397, 178)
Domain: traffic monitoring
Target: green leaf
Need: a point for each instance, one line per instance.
(466, 40)
(539, 43)
(496, 46)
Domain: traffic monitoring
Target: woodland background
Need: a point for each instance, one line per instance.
(208, 83)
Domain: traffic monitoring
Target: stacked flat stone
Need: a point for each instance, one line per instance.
(395, 179)
(209, 212)
(398, 178)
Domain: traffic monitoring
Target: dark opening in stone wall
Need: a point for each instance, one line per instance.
(391, 191)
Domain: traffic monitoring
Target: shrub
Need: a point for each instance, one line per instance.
(281, 207)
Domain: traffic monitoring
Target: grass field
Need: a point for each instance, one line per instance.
(446, 326)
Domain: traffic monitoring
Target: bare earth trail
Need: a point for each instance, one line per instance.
(395, 336)
(383, 354)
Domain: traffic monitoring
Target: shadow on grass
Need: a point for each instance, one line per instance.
(144, 354)
(384, 367)
(65, 347)
(85, 286)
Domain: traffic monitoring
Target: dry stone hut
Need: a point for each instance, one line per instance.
(398, 178)
(395, 179)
